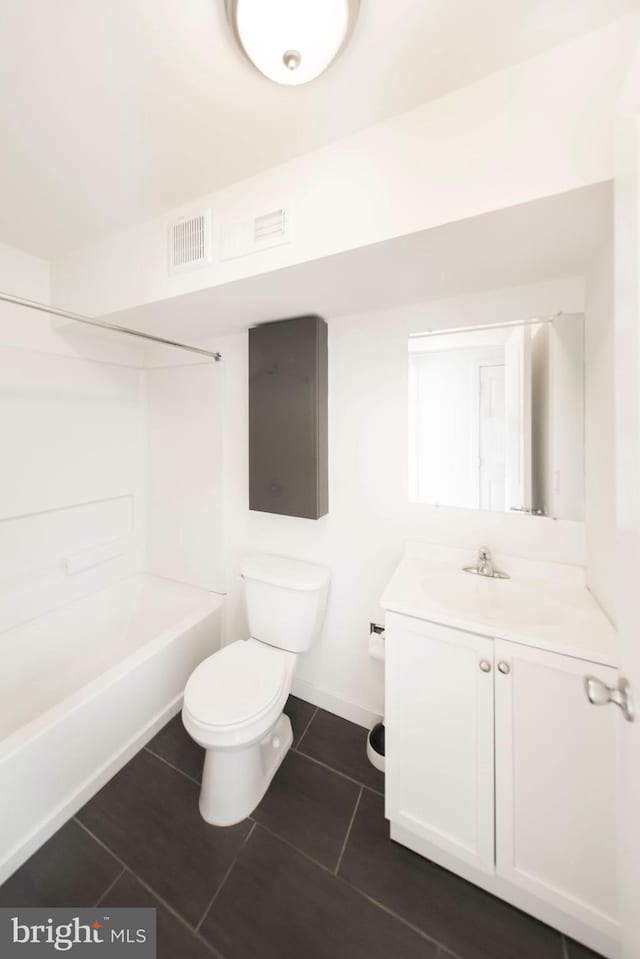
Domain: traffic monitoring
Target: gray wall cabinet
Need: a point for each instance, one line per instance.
(288, 386)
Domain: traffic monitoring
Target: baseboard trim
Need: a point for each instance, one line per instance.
(361, 715)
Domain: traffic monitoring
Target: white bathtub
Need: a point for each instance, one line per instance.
(82, 688)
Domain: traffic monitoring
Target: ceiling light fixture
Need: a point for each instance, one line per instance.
(292, 41)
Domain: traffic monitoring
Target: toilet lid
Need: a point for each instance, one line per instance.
(235, 684)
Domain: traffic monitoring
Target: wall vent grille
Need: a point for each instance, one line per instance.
(259, 233)
(190, 242)
(269, 227)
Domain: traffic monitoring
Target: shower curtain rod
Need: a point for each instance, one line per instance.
(103, 325)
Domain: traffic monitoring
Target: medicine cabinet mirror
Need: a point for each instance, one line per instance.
(496, 417)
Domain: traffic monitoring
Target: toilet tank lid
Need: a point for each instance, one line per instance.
(285, 572)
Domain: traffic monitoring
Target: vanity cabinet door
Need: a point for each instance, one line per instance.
(439, 738)
(555, 782)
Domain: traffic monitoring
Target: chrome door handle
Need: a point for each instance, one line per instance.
(599, 694)
(504, 667)
(485, 665)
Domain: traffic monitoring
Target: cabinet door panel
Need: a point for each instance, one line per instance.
(555, 782)
(439, 729)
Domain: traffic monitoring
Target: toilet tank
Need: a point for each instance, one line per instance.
(286, 600)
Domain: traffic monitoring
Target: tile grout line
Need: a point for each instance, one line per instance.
(172, 766)
(338, 772)
(306, 728)
(225, 877)
(110, 886)
(445, 953)
(360, 892)
(405, 922)
(171, 909)
(349, 827)
(97, 839)
(316, 862)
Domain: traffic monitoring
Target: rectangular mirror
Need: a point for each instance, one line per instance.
(496, 417)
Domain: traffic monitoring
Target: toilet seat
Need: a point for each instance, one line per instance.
(235, 688)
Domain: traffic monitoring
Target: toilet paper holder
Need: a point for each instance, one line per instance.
(376, 641)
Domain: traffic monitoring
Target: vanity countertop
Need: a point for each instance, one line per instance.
(542, 604)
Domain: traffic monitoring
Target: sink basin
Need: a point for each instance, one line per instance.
(544, 605)
(498, 601)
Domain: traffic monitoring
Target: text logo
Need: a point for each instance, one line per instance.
(80, 933)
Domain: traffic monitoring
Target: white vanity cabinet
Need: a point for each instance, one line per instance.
(555, 768)
(499, 769)
(439, 781)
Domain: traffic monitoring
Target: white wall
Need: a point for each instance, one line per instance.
(370, 518)
(24, 275)
(600, 420)
(184, 446)
(534, 130)
(627, 384)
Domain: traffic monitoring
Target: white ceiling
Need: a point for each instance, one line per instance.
(543, 240)
(113, 111)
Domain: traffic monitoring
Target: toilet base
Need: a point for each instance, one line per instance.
(234, 780)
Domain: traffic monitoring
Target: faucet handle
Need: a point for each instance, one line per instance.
(484, 552)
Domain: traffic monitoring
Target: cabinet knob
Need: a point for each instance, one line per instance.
(485, 665)
(504, 668)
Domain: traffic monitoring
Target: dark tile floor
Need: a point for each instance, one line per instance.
(311, 873)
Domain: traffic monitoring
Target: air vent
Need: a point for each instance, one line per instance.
(271, 226)
(190, 242)
(260, 233)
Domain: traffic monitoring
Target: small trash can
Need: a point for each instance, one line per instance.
(375, 746)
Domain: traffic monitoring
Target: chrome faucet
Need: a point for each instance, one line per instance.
(485, 566)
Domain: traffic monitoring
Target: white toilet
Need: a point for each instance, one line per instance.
(233, 700)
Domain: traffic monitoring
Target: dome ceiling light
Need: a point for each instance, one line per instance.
(292, 41)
